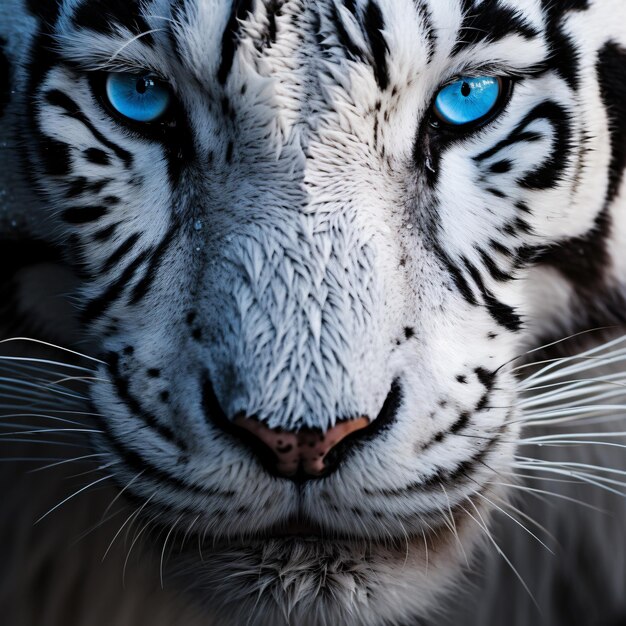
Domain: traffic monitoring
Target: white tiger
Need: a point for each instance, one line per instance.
(313, 242)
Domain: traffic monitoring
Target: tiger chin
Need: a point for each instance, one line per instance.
(314, 243)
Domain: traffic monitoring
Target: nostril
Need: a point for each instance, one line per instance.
(307, 453)
(304, 451)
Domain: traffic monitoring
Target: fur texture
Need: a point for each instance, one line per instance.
(300, 243)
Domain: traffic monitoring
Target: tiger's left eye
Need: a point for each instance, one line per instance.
(138, 97)
(468, 101)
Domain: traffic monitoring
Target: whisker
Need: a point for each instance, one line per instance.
(553, 494)
(66, 461)
(164, 547)
(25, 359)
(76, 493)
(50, 430)
(135, 514)
(51, 345)
(51, 418)
(527, 530)
(499, 550)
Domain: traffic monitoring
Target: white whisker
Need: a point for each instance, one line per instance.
(76, 493)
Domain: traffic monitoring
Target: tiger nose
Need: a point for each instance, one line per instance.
(305, 452)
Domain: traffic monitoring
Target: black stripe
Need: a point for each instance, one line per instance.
(139, 464)
(501, 167)
(350, 5)
(55, 156)
(156, 258)
(46, 10)
(456, 275)
(564, 50)
(442, 476)
(490, 22)
(106, 233)
(550, 173)
(122, 388)
(547, 110)
(274, 10)
(230, 39)
(503, 314)
(500, 247)
(498, 193)
(584, 260)
(611, 70)
(79, 186)
(105, 16)
(121, 252)
(374, 25)
(427, 21)
(84, 214)
(59, 99)
(98, 306)
(493, 269)
(343, 36)
(97, 156)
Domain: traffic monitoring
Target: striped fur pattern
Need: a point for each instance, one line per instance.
(299, 243)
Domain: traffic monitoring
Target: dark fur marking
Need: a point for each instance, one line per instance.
(106, 233)
(63, 101)
(457, 276)
(140, 465)
(97, 156)
(84, 214)
(501, 167)
(374, 24)
(493, 269)
(344, 38)
(156, 258)
(461, 423)
(120, 253)
(427, 21)
(46, 10)
(564, 52)
(583, 260)
(503, 314)
(55, 156)
(79, 186)
(122, 388)
(103, 16)
(611, 69)
(496, 192)
(490, 23)
(98, 306)
(550, 172)
(239, 12)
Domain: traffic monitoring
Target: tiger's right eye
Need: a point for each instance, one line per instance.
(138, 97)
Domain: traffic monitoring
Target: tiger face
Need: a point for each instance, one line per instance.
(309, 235)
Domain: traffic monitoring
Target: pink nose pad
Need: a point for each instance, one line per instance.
(306, 449)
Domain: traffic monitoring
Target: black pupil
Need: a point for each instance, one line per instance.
(466, 90)
(143, 84)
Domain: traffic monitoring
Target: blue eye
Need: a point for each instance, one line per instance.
(468, 100)
(139, 97)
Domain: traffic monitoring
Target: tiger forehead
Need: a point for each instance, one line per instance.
(290, 37)
(393, 37)
(224, 42)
